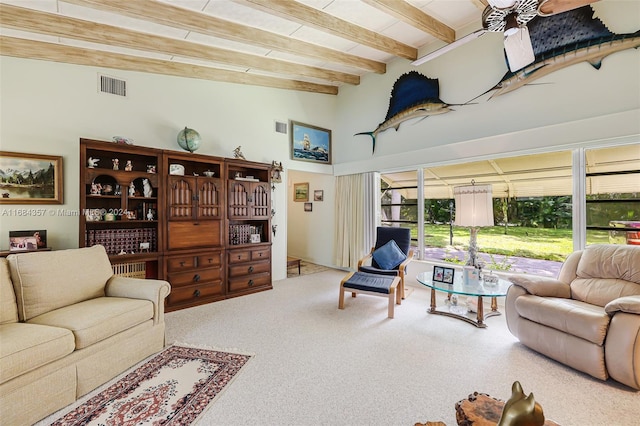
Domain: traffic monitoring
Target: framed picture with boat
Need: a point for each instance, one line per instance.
(310, 143)
(30, 178)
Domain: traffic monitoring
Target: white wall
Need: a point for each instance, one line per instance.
(576, 105)
(47, 107)
(311, 234)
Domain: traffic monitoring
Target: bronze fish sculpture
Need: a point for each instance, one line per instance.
(562, 40)
(413, 96)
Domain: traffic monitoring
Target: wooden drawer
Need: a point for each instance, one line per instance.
(248, 269)
(194, 277)
(249, 282)
(237, 256)
(186, 235)
(182, 263)
(210, 260)
(193, 293)
(260, 254)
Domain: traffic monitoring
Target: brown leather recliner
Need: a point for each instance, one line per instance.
(589, 317)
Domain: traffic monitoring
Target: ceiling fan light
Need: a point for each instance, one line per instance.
(511, 24)
(519, 49)
(502, 4)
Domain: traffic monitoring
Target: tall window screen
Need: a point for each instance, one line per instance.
(613, 195)
(398, 200)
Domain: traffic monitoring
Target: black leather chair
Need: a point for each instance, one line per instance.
(384, 234)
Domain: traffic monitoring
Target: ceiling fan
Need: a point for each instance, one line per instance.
(511, 17)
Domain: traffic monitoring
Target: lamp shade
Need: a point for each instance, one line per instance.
(474, 205)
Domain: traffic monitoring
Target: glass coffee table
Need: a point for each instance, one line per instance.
(479, 290)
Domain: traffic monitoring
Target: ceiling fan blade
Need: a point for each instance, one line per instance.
(449, 47)
(519, 49)
(552, 7)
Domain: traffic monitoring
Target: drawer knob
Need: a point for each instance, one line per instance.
(210, 260)
(250, 283)
(250, 269)
(196, 293)
(196, 277)
(239, 257)
(181, 263)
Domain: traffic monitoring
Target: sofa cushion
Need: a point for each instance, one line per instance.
(8, 306)
(589, 322)
(47, 281)
(97, 319)
(25, 347)
(607, 272)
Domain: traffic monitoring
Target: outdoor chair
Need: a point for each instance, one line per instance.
(390, 255)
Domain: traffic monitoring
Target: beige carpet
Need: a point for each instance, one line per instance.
(318, 365)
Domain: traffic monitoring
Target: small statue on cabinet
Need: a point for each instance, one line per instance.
(92, 162)
(238, 154)
(129, 166)
(146, 188)
(150, 215)
(132, 190)
(96, 189)
(116, 164)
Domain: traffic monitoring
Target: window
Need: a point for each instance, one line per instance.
(398, 200)
(613, 195)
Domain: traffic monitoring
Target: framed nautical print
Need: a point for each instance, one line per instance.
(310, 143)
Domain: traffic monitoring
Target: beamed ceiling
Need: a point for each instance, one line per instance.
(306, 45)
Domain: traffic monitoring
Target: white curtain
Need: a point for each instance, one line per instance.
(356, 217)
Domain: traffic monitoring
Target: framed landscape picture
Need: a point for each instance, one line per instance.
(310, 143)
(301, 191)
(30, 178)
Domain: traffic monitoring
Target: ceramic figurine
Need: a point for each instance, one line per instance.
(132, 190)
(150, 215)
(129, 166)
(92, 162)
(96, 189)
(146, 188)
(151, 168)
(116, 164)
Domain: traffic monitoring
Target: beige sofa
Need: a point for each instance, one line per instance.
(68, 325)
(589, 317)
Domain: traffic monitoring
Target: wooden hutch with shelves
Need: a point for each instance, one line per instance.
(120, 208)
(209, 230)
(248, 230)
(194, 250)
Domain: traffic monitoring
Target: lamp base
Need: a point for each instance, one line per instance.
(473, 248)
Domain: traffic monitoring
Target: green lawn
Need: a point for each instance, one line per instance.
(534, 243)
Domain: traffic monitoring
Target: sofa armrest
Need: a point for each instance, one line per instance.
(542, 286)
(628, 304)
(136, 288)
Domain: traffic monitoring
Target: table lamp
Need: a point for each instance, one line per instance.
(474, 209)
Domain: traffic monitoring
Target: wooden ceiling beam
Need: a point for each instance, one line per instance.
(30, 49)
(187, 19)
(330, 24)
(415, 17)
(61, 26)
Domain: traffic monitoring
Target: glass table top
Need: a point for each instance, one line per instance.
(498, 289)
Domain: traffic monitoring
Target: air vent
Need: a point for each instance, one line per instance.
(112, 86)
(281, 127)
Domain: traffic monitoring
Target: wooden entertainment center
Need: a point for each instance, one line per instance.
(201, 222)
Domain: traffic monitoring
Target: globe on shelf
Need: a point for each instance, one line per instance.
(189, 139)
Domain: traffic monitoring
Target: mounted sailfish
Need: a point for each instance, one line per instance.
(413, 96)
(562, 40)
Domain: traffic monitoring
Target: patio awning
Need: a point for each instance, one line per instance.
(536, 175)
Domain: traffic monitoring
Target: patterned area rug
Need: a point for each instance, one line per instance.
(172, 388)
(306, 268)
